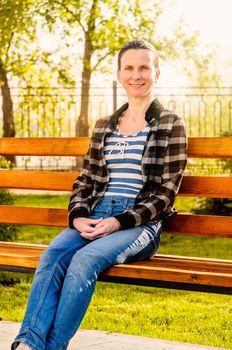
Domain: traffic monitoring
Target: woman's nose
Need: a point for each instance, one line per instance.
(136, 74)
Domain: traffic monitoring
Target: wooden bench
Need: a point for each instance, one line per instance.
(190, 273)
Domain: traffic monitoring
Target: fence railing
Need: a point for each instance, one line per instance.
(53, 112)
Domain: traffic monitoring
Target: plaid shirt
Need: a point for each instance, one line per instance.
(163, 163)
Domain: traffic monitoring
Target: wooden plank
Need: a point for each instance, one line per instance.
(210, 147)
(37, 180)
(26, 249)
(199, 147)
(19, 261)
(197, 225)
(33, 216)
(10, 249)
(202, 225)
(189, 263)
(171, 275)
(206, 186)
(32, 249)
(49, 146)
(198, 186)
(142, 270)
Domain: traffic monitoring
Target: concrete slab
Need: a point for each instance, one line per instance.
(98, 340)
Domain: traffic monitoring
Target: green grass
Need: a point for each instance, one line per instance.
(42, 200)
(152, 312)
(192, 317)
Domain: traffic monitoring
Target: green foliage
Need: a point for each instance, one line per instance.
(105, 26)
(58, 40)
(15, 34)
(6, 198)
(4, 163)
(7, 232)
(215, 206)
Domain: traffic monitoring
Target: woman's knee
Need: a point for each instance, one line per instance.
(60, 250)
(87, 262)
(48, 259)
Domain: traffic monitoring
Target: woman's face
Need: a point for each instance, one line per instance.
(138, 73)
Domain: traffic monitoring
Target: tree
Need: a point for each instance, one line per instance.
(95, 28)
(22, 60)
(16, 31)
(105, 26)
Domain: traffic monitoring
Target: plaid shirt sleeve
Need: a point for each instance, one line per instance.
(81, 197)
(159, 204)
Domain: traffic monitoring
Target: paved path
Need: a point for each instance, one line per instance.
(97, 340)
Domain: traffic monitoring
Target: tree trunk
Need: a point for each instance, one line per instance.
(7, 110)
(82, 126)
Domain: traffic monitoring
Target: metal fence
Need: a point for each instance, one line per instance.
(53, 112)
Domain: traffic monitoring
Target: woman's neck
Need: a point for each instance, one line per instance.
(137, 108)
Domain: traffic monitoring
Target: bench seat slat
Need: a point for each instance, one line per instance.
(225, 267)
(36, 249)
(204, 225)
(171, 275)
(208, 147)
(199, 186)
(24, 249)
(178, 269)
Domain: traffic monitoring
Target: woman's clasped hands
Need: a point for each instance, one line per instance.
(96, 228)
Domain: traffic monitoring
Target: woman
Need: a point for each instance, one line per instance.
(126, 190)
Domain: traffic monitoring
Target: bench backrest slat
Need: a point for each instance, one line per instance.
(199, 186)
(203, 225)
(197, 147)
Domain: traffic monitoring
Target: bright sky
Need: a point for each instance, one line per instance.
(212, 19)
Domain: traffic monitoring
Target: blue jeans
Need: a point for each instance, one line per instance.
(65, 279)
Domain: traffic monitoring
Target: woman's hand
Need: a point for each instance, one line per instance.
(103, 227)
(85, 224)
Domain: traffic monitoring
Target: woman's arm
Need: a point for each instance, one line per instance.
(81, 197)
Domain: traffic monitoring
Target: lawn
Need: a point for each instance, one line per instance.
(161, 313)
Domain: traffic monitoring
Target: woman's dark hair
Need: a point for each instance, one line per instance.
(136, 45)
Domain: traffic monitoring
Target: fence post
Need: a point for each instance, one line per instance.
(114, 95)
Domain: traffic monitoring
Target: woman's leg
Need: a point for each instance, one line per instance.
(46, 289)
(120, 247)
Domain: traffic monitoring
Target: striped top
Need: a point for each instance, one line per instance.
(123, 157)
